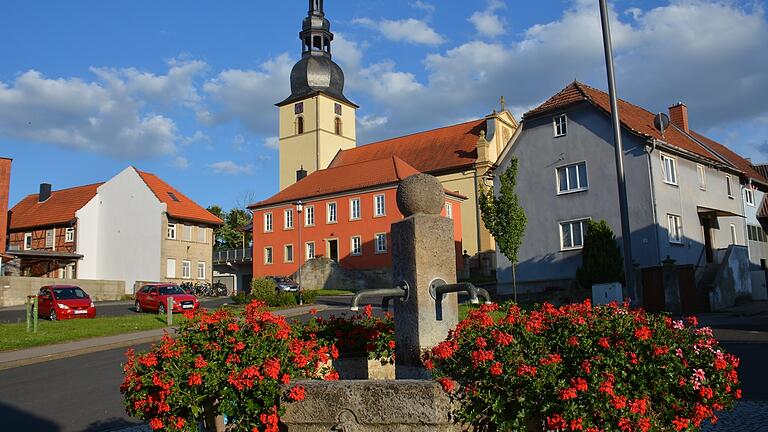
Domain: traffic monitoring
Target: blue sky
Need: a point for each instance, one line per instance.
(186, 89)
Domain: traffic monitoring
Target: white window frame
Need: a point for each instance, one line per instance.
(202, 235)
(27, 241)
(734, 235)
(571, 223)
(186, 269)
(568, 189)
(285, 253)
(448, 210)
(675, 233)
(673, 161)
(701, 170)
(331, 212)
(268, 222)
(378, 246)
(749, 196)
(170, 268)
(50, 238)
(307, 249)
(288, 219)
(729, 186)
(309, 216)
(379, 198)
(187, 232)
(69, 235)
(171, 233)
(201, 270)
(560, 128)
(355, 206)
(356, 250)
(269, 255)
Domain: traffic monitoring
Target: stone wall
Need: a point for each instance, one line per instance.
(324, 273)
(15, 289)
(733, 281)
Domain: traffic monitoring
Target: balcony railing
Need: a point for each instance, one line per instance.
(232, 256)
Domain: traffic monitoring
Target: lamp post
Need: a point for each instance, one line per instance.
(299, 210)
(619, 152)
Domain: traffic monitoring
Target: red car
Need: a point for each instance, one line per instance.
(59, 302)
(154, 297)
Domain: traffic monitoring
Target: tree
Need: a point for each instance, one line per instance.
(601, 260)
(231, 235)
(504, 216)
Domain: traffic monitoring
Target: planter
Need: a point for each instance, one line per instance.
(360, 368)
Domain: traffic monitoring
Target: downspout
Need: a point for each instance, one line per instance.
(649, 151)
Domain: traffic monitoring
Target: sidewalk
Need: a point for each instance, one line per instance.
(12, 359)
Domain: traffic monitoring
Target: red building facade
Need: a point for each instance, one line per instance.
(346, 215)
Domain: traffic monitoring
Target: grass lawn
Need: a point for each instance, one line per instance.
(466, 307)
(333, 292)
(15, 336)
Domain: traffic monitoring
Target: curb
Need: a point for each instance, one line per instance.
(141, 338)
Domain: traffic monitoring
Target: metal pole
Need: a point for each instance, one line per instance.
(28, 306)
(619, 151)
(169, 310)
(34, 313)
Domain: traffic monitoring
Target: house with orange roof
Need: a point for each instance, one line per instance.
(317, 132)
(134, 227)
(342, 213)
(689, 198)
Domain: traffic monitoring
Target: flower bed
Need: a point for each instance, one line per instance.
(222, 365)
(584, 368)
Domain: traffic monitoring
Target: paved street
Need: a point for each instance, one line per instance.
(104, 309)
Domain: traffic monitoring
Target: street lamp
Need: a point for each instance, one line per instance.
(299, 210)
(619, 153)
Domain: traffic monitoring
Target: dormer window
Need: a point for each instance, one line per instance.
(560, 125)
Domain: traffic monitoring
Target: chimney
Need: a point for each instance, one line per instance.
(678, 115)
(45, 192)
(300, 174)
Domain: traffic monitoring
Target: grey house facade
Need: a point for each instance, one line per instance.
(684, 199)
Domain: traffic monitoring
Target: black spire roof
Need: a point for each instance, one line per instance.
(316, 72)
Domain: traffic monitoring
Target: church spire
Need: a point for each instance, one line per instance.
(316, 7)
(316, 33)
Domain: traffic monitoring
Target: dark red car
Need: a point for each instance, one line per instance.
(59, 302)
(154, 297)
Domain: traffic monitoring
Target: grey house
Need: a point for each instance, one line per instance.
(685, 199)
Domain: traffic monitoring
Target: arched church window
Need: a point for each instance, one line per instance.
(338, 126)
(299, 125)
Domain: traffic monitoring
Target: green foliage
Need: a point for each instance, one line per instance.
(503, 215)
(601, 258)
(309, 296)
(231, 234)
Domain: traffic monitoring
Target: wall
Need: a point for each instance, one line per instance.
(16, 239)
(14, 289)
(757, 250)
(317, 146)
(181, 250)
(5, 184)
(589, 138)
(128, 219)
(759, 286)
(733, 281)
(322, 231)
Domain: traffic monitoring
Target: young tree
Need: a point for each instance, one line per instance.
(231, 234)
(504, 217)
(601, 260)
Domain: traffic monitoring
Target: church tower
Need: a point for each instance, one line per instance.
(316, 120)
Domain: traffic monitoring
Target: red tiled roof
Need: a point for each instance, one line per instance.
(762, 212)
(344, 178)
(633, 117)
(178, 206)
(734, 159)
(431, 151)
(59, 209)
(762, 169)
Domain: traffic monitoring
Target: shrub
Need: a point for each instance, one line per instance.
(262, 289)
(222, 365)
(308, 296)
(241, 298)
(577, 367)
(361, 335)
(601, 260)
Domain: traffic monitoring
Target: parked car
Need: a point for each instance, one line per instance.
(154, 297)
(59, 302)
(284, 284)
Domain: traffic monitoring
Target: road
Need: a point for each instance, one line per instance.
(104, 309)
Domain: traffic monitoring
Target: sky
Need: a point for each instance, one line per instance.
(186, 88)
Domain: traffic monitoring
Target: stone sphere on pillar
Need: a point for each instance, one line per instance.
(420, 193)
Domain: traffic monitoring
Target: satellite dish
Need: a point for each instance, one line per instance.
(661, 122)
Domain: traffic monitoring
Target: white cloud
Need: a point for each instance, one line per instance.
(488, 22)
(197, 137)
(272, 143)
(367, 122)
(405, 30)
(425, 6)
(231, 168)
(180, 162)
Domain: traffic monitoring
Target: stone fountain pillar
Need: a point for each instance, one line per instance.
(423, 250)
